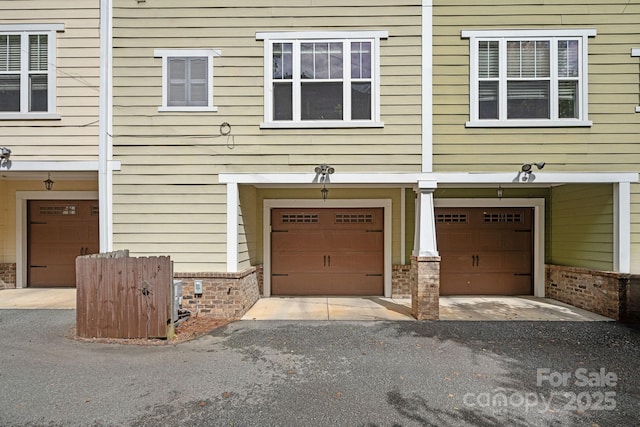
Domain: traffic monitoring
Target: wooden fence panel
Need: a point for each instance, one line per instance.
(124, 297)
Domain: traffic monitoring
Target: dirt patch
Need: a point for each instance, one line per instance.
(190, 329)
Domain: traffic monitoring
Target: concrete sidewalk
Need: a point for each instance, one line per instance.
(471, 308)
(38, 298)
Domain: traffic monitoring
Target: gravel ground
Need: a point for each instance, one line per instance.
(279, 373)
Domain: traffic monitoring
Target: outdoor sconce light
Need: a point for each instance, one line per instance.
(5, 153)
(526, 169)
(500, 191)
(48, 183)
(322, 172)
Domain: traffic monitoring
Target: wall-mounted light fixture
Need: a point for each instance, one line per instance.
(500, 191)
(5, 154)
(526, 169)
(322, 173)
(48, 183)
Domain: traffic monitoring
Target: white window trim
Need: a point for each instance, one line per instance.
(636, 52)
(287, 37)
(474, 35)
(25, 30)
(167, 53)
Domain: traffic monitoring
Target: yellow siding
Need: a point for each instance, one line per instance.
(610, 144)
(75, 135)
(170, 161)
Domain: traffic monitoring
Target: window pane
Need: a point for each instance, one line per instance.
(336, 61)
(568, 99)
(528, 100)
(321, 65)
(197, 82)
(10, 53)
(9, 92)
(488, 100)
(361, 101)
(488, 59)
(306, 61)
(321, 101)
(38, 53)
(38, 92)
(282, 101)
(527, 59)
(568, 58)
(361, 60)
(282, 60)
(177, 79)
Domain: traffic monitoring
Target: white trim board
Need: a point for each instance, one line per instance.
(538, 230)
(22, 197)
(337, 203)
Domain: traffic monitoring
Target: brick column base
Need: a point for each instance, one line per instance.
(425, 288)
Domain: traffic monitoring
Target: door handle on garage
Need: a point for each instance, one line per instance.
(329, 259)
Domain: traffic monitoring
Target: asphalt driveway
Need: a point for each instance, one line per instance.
(288, 373)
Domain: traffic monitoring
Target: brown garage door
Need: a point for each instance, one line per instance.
(327, 251)
(485, 251)
(59, 231)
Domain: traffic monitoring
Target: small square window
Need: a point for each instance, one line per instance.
(187, 79)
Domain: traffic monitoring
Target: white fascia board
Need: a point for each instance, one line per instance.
(307, 35)
(311, 178)
(535, 178)
(28, 166)
(578, 32)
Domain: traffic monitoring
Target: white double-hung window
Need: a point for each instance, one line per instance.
(187, 79)
(28, 71)
(322, 79)
(528, 77)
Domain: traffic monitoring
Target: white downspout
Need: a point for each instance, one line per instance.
(105, 148)
(427, 86)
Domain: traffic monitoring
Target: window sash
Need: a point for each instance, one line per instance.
(26, 81)
(187, 81)
(528, 78)
(322, 80)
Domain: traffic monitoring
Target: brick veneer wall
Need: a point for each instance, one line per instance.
(425, 288)
(401, 281)
(598, 291)
(7, 276)
(224, 295)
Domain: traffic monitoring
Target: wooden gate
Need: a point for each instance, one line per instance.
(124, 297)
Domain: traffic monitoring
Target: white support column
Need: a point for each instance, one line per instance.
(232, 227)
(425, 244)
(622, 227)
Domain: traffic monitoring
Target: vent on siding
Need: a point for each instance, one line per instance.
(58, 210)
(299, 218)
(95, 210)
(354, 218)
(502, 217)
(452, 218)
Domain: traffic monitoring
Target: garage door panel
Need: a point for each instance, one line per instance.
(296, 241)
(59, 231)
(485, 251)
(326, 284)
(327, 251)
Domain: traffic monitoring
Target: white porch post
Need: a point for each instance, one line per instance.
(232, 227)
(425, 244)
(622, 227)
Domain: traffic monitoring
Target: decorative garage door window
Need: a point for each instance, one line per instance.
(299, 218)
(514, 217)
(354, 218)
(58, 210)
(452, 218)
(95, 210)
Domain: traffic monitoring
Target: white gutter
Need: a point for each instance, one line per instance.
(105, 149)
